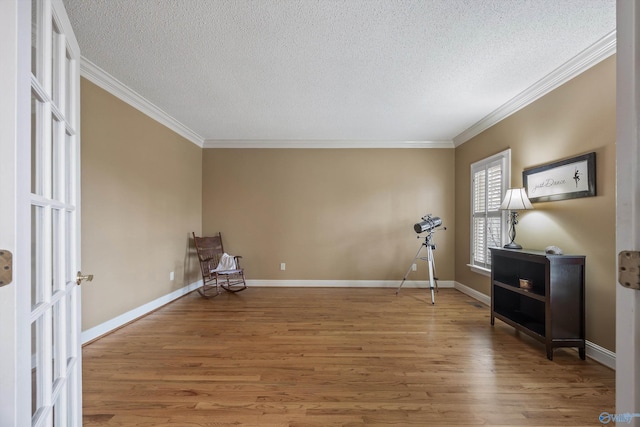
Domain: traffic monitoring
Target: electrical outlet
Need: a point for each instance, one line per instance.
(172, 276)
(414, 267)
(283, 266)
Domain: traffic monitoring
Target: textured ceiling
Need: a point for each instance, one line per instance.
(347, 70)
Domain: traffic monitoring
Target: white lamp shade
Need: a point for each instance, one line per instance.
(516, 199)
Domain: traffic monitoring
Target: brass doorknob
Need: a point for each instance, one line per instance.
(80, 277)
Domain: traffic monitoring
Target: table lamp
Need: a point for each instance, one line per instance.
(515, 200)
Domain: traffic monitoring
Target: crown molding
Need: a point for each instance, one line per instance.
(101, 78)
(599, 51)
(591, 56)
(106, 81)
(211, 143)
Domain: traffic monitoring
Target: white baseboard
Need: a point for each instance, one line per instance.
(123, 319)
(477, 295)
(601, 355)
(594, 351)
(347, 283)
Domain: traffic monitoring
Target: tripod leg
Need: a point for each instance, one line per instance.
(435, 275)
(431, 272)
(409, 269)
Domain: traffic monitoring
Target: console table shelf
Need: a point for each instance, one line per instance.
(526, 292)
(553, 311)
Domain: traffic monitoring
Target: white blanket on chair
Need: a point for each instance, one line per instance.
(227, 262)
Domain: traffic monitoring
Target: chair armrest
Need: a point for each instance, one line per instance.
(237, 258)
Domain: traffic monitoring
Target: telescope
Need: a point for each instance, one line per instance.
(428, 223)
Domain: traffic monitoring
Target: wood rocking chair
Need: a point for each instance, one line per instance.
(219, 270)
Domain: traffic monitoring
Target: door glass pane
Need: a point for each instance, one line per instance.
(35, 28)
(72, 395)
(67, 87)
(47, 155)
(70, 326)
(41, 136)
(36, 375)
(57, 135)
(58, 359)
(36, 112)
(57, 255)
(67, 171)
(37, 255)
(56, 64)
(69, 274)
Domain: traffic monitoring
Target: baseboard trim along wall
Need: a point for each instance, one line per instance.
(347, 283)
(594, 351)
(131, 315)
(485, 299)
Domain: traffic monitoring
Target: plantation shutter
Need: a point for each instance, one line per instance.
(489, 178)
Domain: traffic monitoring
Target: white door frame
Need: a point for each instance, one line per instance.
(628, 206)
(15, 86)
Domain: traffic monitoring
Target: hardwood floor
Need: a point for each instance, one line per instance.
(335, 357)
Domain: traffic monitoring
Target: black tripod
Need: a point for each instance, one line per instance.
(433, 281)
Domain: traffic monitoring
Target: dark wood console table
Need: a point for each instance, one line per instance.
(553, 311)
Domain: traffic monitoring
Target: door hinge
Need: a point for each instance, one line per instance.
(629, 269)
(6, 267)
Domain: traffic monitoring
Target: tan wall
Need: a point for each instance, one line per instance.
(141, 197)
(576, 118)
(329, 214)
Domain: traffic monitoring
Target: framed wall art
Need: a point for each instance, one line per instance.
(564, 179)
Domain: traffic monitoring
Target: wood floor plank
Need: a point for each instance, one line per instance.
(335, 357)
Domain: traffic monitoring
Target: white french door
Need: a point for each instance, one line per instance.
(40, 359)
(54, 303)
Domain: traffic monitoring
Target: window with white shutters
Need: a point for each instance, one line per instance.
(489, 181)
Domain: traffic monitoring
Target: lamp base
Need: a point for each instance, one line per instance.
(512, 245)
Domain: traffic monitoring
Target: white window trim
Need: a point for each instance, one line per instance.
(479, 270)
(505, 156)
